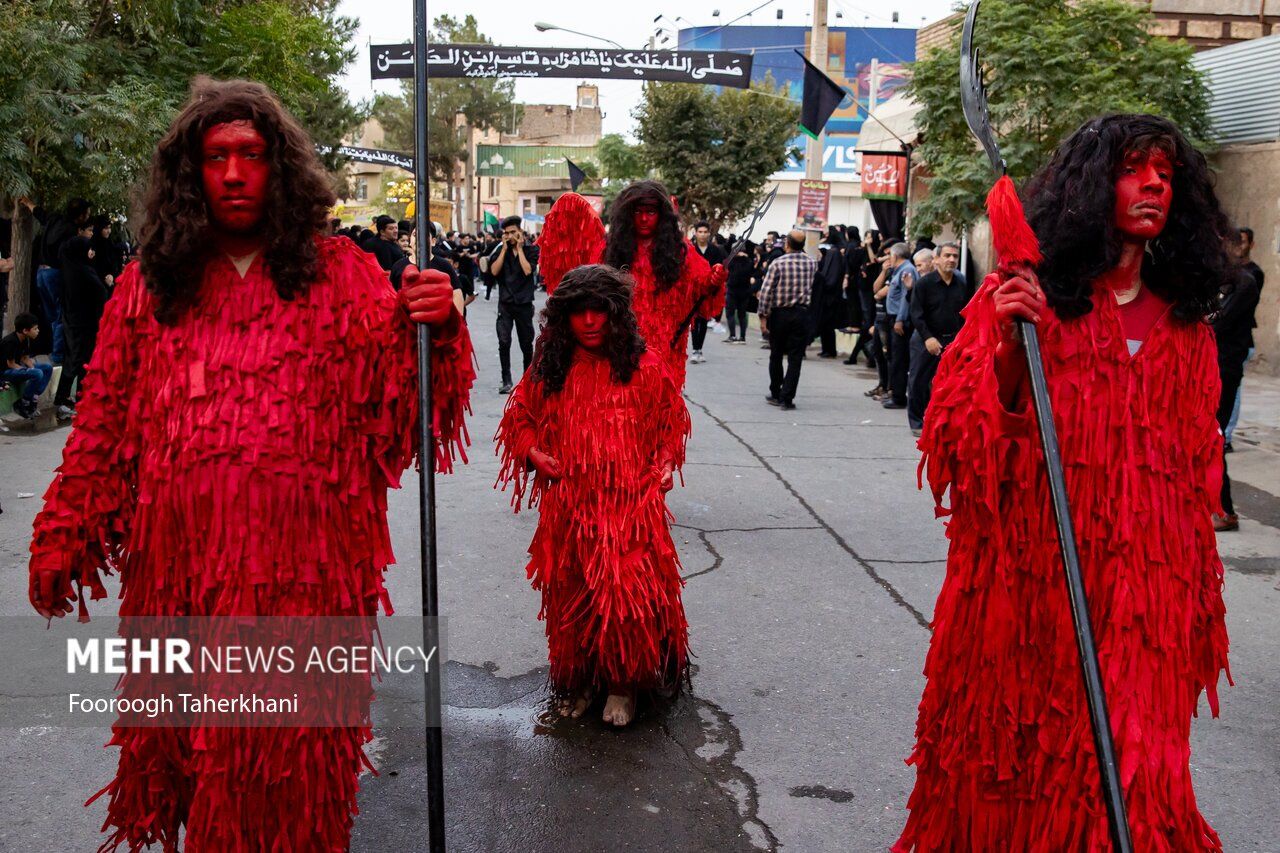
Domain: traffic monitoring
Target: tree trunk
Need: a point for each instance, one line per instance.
(22, 275)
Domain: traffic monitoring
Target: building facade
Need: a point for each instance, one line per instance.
(870, 63)
(522, 170)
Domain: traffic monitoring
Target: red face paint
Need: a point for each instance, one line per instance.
(1144, 191)
(645, 220)
(236, 173)
(590, 327)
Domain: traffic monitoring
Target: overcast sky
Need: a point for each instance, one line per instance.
(628, 22)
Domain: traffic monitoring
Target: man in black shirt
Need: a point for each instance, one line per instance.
(383, 245)
(58, 229)
(1233, 329)
(935, 312)
(1244, 249)
(512, 265)
(713, 255)
(18, 363)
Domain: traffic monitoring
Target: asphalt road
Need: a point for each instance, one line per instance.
(812, 564)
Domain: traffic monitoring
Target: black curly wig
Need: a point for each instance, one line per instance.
(598, 287)
(174, 240)
(1070, 202)
(667, 252)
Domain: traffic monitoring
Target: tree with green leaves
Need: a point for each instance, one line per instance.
(87, 87)
(486, 104)
(716, 150)
(1050, 66)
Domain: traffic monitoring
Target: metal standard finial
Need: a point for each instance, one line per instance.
(973, 93)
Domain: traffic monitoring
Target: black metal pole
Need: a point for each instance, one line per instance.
(427, 447)
(1095, 692)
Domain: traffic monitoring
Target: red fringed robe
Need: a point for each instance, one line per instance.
(238, 462)
(1004, 755)
(660, 312)
(572, 236)
(602, 556)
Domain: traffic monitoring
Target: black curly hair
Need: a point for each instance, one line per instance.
(599, 287)
(174, 242)
(1069, 206)
(667, 252)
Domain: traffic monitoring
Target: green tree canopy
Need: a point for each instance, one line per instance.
(486, 102)
(715, 150)
(619, 159)
(87, 87)
(1051, 65)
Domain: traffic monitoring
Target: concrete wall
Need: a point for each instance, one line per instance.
(1248, 176)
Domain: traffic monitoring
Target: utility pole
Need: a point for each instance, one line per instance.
(813, 149)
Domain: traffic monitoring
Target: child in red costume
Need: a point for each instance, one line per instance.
(1004, 755)
(673, 284)
(252, 397)
(601, 425)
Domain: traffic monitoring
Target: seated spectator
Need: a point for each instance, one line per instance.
(17, 358)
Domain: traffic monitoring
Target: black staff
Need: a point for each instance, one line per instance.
(427, 449)
(974, 100)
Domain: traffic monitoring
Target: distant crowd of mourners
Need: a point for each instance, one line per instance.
(901, 302)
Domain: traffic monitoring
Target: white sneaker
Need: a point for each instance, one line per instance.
(697, 358)
(66, 413)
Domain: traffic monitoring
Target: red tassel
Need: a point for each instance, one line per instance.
(1015, 242)
(573, 236)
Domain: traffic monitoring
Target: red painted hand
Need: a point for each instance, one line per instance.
(50, 593)
(547, 466)
(428, 297)
(668, 480)
(719, 275)
(1019, 296)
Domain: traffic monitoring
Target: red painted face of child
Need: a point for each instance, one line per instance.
(1144, 191)
(590, 326)
(236, 173)
(645, 220)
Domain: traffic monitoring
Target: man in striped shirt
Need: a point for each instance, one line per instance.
(784, 316)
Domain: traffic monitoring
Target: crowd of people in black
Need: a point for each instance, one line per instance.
(77, 257)
(901, 305)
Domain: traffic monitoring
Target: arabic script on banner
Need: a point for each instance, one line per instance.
(884, 177)
(713, 67)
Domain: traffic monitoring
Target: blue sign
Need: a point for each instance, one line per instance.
(839, 157)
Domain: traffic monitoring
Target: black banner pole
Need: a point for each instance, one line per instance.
(426, 443)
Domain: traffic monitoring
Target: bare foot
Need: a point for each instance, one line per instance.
(576, 706)
(619, 709)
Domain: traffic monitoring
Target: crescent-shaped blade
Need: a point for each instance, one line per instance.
(973, 93)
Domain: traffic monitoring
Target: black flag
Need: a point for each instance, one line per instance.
(821, 97)
(576, 175)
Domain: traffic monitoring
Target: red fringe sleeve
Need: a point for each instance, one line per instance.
(394, 423)
(971, 443)
(674, 425)
(82, 528)
(518, 434)
(573, 235)
(698, 272)
(1209, 633)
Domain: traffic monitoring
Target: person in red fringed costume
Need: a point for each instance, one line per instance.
(1133, 241)
(252, 397)
(592, 436)
(673, 284)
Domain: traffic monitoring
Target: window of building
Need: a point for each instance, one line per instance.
(362, 189)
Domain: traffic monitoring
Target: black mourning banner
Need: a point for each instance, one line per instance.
(713, 67)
